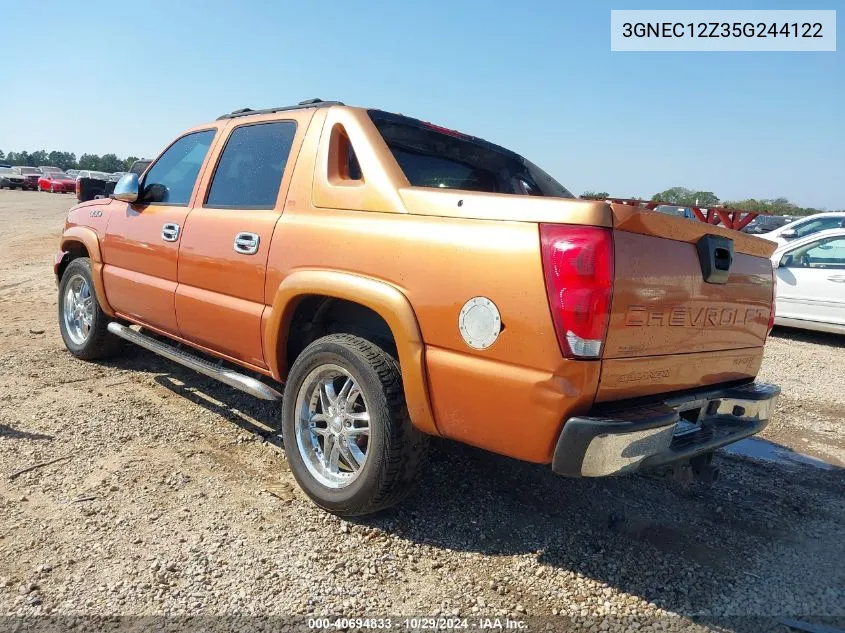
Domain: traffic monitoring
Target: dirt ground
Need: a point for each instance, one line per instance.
(174, 498)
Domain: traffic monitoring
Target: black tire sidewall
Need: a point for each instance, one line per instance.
(361, 491)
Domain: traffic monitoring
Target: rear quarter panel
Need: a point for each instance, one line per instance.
(510, 398)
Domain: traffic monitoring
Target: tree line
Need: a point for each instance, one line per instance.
(67, 160)
(691, 198)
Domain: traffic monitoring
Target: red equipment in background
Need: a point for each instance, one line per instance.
(731, 218)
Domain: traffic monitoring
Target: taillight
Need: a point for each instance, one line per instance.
(578, 266)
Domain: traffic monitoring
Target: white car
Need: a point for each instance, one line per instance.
(810, 284)
(806, 226)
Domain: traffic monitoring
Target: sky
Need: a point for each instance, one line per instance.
(536, 77)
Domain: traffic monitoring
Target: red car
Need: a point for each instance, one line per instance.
(56, 182)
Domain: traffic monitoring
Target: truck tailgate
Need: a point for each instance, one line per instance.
(670, 329)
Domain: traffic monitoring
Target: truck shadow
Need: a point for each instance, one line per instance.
(642, 535)
(12, 433)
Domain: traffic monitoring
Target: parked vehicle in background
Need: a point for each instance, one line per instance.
(678, 212)
(57, 182)
(11, 179)
(139, 166)
(30, 177)
(95, 175)
(48, 169)
(5, 165)
(806, 226)
(72, 172)
(811, 282)
(315, 245)
(766, 223)
(117, 175)
(93, 184)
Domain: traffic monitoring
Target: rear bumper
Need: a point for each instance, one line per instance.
(626, 436)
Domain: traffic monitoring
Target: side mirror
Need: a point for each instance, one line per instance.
(788, 234)
(126, 188)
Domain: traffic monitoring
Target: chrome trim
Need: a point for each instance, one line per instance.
(127, 188)
(332, 426)
(218, 372)
(617, 454)
(170, 232)
(78, 309)
(246, 243)
(625, 437)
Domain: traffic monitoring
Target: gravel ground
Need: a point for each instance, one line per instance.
(175, 499)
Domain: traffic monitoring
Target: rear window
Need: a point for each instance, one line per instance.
(431, 156)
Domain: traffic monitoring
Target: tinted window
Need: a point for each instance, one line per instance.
(171, 179)
(829, 253)
(431, 156)
(251, 166)
(814, 226)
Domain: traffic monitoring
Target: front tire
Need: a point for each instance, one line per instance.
(347, 434)
(82, 322)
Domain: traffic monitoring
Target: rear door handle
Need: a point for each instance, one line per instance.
(840, 279)
(246, 243)
(170, 232)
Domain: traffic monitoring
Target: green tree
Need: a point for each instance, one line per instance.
(2, 155)
(89, 161)
(110, 163)
(775, 206)
(687, 197)
(595, 194)
(128, 162)
(38, 158)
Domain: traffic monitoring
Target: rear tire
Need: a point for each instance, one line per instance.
(82, 322)
(393, 450)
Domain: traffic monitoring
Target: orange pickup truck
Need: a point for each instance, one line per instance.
(404, 280)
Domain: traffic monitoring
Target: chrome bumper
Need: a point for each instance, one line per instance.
(627, 436)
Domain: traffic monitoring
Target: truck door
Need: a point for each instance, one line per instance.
(224, 247)
(141, 245)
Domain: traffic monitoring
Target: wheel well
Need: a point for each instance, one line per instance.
(73, 250)
(318, 315)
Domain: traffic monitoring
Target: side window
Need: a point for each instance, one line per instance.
(249, 172)
(171, 179)
(828, 253)
(814, 226)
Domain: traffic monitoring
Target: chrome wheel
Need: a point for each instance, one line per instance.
(332, 426)
(78, 309)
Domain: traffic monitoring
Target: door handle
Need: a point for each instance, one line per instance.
(840, 279)
(246, 243)
(170, 232)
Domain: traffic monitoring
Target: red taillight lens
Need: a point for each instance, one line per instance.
(578, 266)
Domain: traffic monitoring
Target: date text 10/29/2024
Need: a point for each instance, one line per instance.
(418, 624)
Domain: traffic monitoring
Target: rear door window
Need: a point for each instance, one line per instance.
(249, 172)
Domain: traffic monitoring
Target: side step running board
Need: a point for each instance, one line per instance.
(232, 378)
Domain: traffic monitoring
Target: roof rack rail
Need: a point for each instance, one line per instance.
(308, 103)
